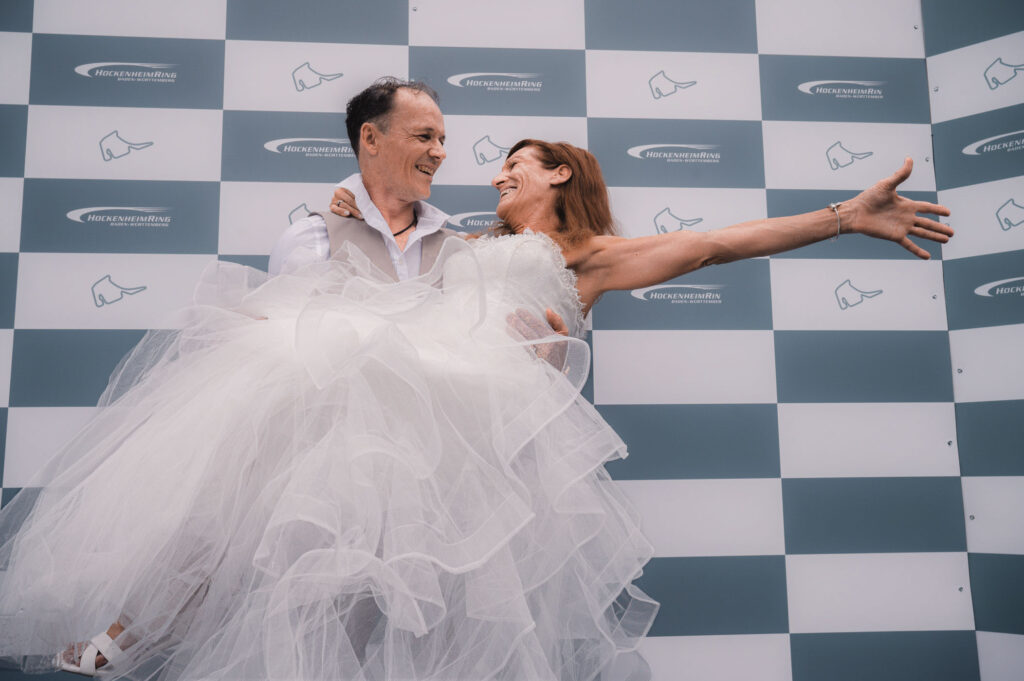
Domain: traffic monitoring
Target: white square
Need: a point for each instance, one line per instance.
(34, 436)
(122, 143)
(149, 18)
(6, 348)
(994, 510)
(104, 290)
(11, 189)
(646, 211)
(253, 215)
(977, 78)
(263, 75)
(477, 145)
(878, 592)
(16, 56)
(765, 657)
(532, 24)
(865, 440)
(838, 28)
(735, 517)
(987, 218)
(804, 155)
(1000, 656)
(861, 295)
(685, 85)
(684, 367)
(987, 363)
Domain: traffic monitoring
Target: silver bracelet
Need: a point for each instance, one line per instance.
(835, 207)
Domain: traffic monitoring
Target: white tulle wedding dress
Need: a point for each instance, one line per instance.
(326, 475)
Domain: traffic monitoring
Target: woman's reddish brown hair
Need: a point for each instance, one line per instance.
(582, 204)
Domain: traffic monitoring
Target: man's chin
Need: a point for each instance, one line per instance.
(423, 189)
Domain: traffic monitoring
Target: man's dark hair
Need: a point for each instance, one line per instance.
(374, 104)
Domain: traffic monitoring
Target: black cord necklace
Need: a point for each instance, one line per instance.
(415, 219)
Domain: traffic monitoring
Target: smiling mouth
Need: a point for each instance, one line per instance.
(506, 191)
(426, 170)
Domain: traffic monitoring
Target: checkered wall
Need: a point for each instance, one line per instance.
(825, 445)
(977, 108)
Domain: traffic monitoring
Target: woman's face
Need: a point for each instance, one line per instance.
(525, 186)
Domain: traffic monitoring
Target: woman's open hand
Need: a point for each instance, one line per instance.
(882, 213)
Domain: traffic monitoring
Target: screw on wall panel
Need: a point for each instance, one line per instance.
(949, 443)
(935, 297)
(959, 371)
(935, 89)
(971, 516)
(960, 589)
(927, 159)
(915, 27)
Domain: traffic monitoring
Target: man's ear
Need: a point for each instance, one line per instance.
(369, 138)
(561, 174)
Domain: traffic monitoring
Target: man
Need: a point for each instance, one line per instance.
(397, 132)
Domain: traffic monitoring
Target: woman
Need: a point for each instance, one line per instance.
(533, 181)
(329, 475)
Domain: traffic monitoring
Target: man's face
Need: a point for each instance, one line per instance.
(412, 149)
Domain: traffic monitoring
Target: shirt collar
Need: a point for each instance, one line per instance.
(431, 219)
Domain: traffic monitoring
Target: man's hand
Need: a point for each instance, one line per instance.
(882, 213)
(343, 203)
(525, 324)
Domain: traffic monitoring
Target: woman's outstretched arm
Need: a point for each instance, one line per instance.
(617, 264)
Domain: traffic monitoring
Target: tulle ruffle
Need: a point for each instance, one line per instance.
(326, 475)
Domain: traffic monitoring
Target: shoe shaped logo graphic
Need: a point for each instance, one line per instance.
(305, 77)
(666, 222)
(1010, 214)
(1000, 73)
(114, 146)
(848, 295)
(486, 151)
(663, 86)
(106, 292)
(839, 156)
(300, 211)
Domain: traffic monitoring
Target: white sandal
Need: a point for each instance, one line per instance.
(101, 644)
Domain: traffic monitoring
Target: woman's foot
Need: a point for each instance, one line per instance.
(88, 657)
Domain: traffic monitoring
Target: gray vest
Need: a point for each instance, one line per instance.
(371, 242)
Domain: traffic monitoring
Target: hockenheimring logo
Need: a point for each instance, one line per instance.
(122, 216)
(1009, 141)
(844, 89)
(130, 72)
(481, 220)
(1003, 287)
(680, 293)
(312, 147)
(499, 82)
(677, 153)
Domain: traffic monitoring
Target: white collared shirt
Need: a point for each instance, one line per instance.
(306, 242)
